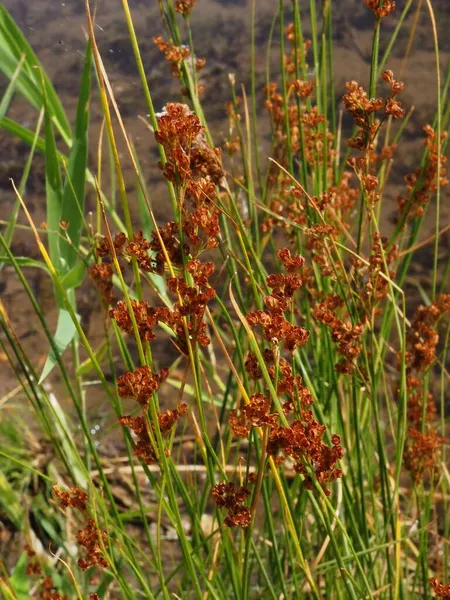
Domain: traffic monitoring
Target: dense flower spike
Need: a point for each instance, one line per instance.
(416, 413)
(74, 498)
(422, 337)
(254, 414)
(188, 153)
(440, 589)
(141, 384)
(184, 7)
(104, 247)
(91, 538)
(346, 335)
(276, 328)
(424, 444)
(231, 497)
(146, 318)
(302, 442)
(423, 181)
(422, 453)
(173, 54)
(144, 448)
(102, 274)
(363, 110)
(377, 287)
(381, 8)
(139, 247)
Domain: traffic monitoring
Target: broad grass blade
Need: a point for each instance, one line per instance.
(65, 332)
(74, 187)
(29, 82)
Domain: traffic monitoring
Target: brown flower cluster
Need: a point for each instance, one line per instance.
(254, 414)
(101, 274)
(75, 497)
(423, 182)
(104, 248)
(422, 453)
(91, 539)
(184, 7)
(33, 566)
(173, 54)
(316, 237)
(46, 589)
(231, 497)
(293, 60)
(424, 444)
(145, 315)
(141, 384)
(277, 330)
(164, 242)
(344, 333)
(416, 412)
(123, 248)
(188, 154)
(186, 317)
(422, 337)
(297, 123)
(289, 386)
(363, 110)
(138, 247)
(90, 536)
(286, 203)
(201, 221)
(381, 8)
(377, 286)
(303, 442)
(440, 589)
(144, 448)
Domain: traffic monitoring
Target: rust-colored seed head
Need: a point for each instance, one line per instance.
(90, 538)
(188, 153)
(102, 274)
(144, 448)
(173, 54)
(231, 497)
(74, 498)
(141, 384)
(381, 8)
(185, 7)
(440, 589)
(422, 453)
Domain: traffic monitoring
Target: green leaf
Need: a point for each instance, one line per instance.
(9, 501)
(75, 277)
(65, 332)
(53, 189)
(32, 82)
(24, 261)
(8, 95)
(88, 365)
(72, 209)
(20, 581)
(62, 431)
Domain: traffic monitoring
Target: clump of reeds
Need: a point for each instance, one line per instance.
(293, 431)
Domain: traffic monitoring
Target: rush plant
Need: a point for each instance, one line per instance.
(291, 438)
